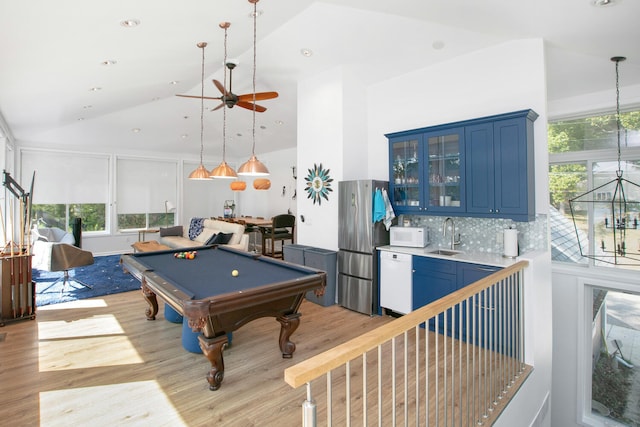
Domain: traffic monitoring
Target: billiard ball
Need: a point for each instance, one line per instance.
(234, 273)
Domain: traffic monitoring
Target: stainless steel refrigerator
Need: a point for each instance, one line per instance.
(357, 241)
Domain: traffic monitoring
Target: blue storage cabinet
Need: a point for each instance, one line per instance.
(294, 253)
(327, 261)
(318, 258)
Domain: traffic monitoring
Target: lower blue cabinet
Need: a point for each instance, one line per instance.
(434, 278)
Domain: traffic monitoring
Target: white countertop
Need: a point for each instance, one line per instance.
(485, 258)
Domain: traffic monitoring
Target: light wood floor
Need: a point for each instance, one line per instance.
(99, 362)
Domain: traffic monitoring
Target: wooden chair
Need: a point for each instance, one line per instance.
(282, 229)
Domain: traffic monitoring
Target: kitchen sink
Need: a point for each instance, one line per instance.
(446, 252)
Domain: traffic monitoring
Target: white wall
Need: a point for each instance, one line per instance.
(500, 79)
(268, 203)
(321, 140)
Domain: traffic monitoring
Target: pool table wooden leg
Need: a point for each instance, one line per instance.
(152, 300)
(212, 349)
(289, 323)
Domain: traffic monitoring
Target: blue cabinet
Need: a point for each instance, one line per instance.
(500, 168)
(427, 170)
(434, 278)
(480, 168)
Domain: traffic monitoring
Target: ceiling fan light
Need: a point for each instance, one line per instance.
(253, 167)
(223, 171)
(199, 174)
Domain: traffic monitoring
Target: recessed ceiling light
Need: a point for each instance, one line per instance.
(438, 45)
(238, 134)
(258, 13)
(95, 89)
(80, 119)
(306, 52)
(108, 62)
(135, 130)
(184, 136)
(130, 23)
(263, 127)
(174, 82)
(86, 107)
(279, 122)
(602, 3)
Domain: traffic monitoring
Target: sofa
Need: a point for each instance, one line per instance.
(204, 232)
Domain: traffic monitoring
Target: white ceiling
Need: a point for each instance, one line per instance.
(51, 55)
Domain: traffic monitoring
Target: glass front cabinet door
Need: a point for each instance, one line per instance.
(445, 172)
(406, 174)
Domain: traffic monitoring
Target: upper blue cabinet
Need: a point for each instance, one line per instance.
(480, 168)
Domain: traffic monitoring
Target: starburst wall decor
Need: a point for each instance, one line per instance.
(318, 184)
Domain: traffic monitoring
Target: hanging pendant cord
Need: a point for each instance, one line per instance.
(202, 45)
(224, 109)
(617, 60)
(255, 14)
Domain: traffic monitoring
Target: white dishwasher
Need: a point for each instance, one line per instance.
(396, 281)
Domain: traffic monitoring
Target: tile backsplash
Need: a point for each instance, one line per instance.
(482, 234)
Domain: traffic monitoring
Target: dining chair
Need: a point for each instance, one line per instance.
(282, 229)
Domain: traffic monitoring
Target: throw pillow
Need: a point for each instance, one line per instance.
(204, 236)
(221, 239)
(211, 239)
(171, 231)
(195, 228)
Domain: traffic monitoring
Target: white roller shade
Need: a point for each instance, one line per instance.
(144, 185)
(66, 178)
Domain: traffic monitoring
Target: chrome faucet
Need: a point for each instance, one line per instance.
(453, 232)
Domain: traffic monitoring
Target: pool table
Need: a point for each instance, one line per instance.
(214, 301)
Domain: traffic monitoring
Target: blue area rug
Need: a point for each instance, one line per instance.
(105, 275)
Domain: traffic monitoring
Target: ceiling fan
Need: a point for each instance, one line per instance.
(230, 99)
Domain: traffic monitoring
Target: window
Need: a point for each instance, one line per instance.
(143, 188)
(67, 186)
(583, 154)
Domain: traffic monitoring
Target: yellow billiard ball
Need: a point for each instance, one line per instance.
(234, 273)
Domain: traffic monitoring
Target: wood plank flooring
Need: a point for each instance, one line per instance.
(100, 362)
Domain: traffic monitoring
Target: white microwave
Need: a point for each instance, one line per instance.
(414, 237)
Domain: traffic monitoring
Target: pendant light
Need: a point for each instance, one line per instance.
(223, 170)
(253, 166)
(616, 213)
(201, 173)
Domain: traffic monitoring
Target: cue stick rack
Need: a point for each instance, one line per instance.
(17, 288)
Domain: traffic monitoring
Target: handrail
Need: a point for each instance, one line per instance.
(316, 366)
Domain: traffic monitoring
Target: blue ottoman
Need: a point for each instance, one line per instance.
(171, 315)
(190, 339)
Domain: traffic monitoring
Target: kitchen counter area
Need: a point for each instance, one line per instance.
(484, 258)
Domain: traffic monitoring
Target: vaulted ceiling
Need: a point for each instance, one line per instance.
(54, 56)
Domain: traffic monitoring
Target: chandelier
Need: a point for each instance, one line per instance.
(615, 209)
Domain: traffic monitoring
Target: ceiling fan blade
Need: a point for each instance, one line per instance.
(218, 107)
(220, 87)
(249, 106)
(259, 96)
(198, 97)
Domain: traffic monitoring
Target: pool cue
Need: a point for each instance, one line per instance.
(11, 261)
(28, 259)
(20, 271)
(12, 225)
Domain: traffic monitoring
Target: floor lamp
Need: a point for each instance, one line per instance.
(168, 207)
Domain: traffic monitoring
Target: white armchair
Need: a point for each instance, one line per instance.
(53, 250)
